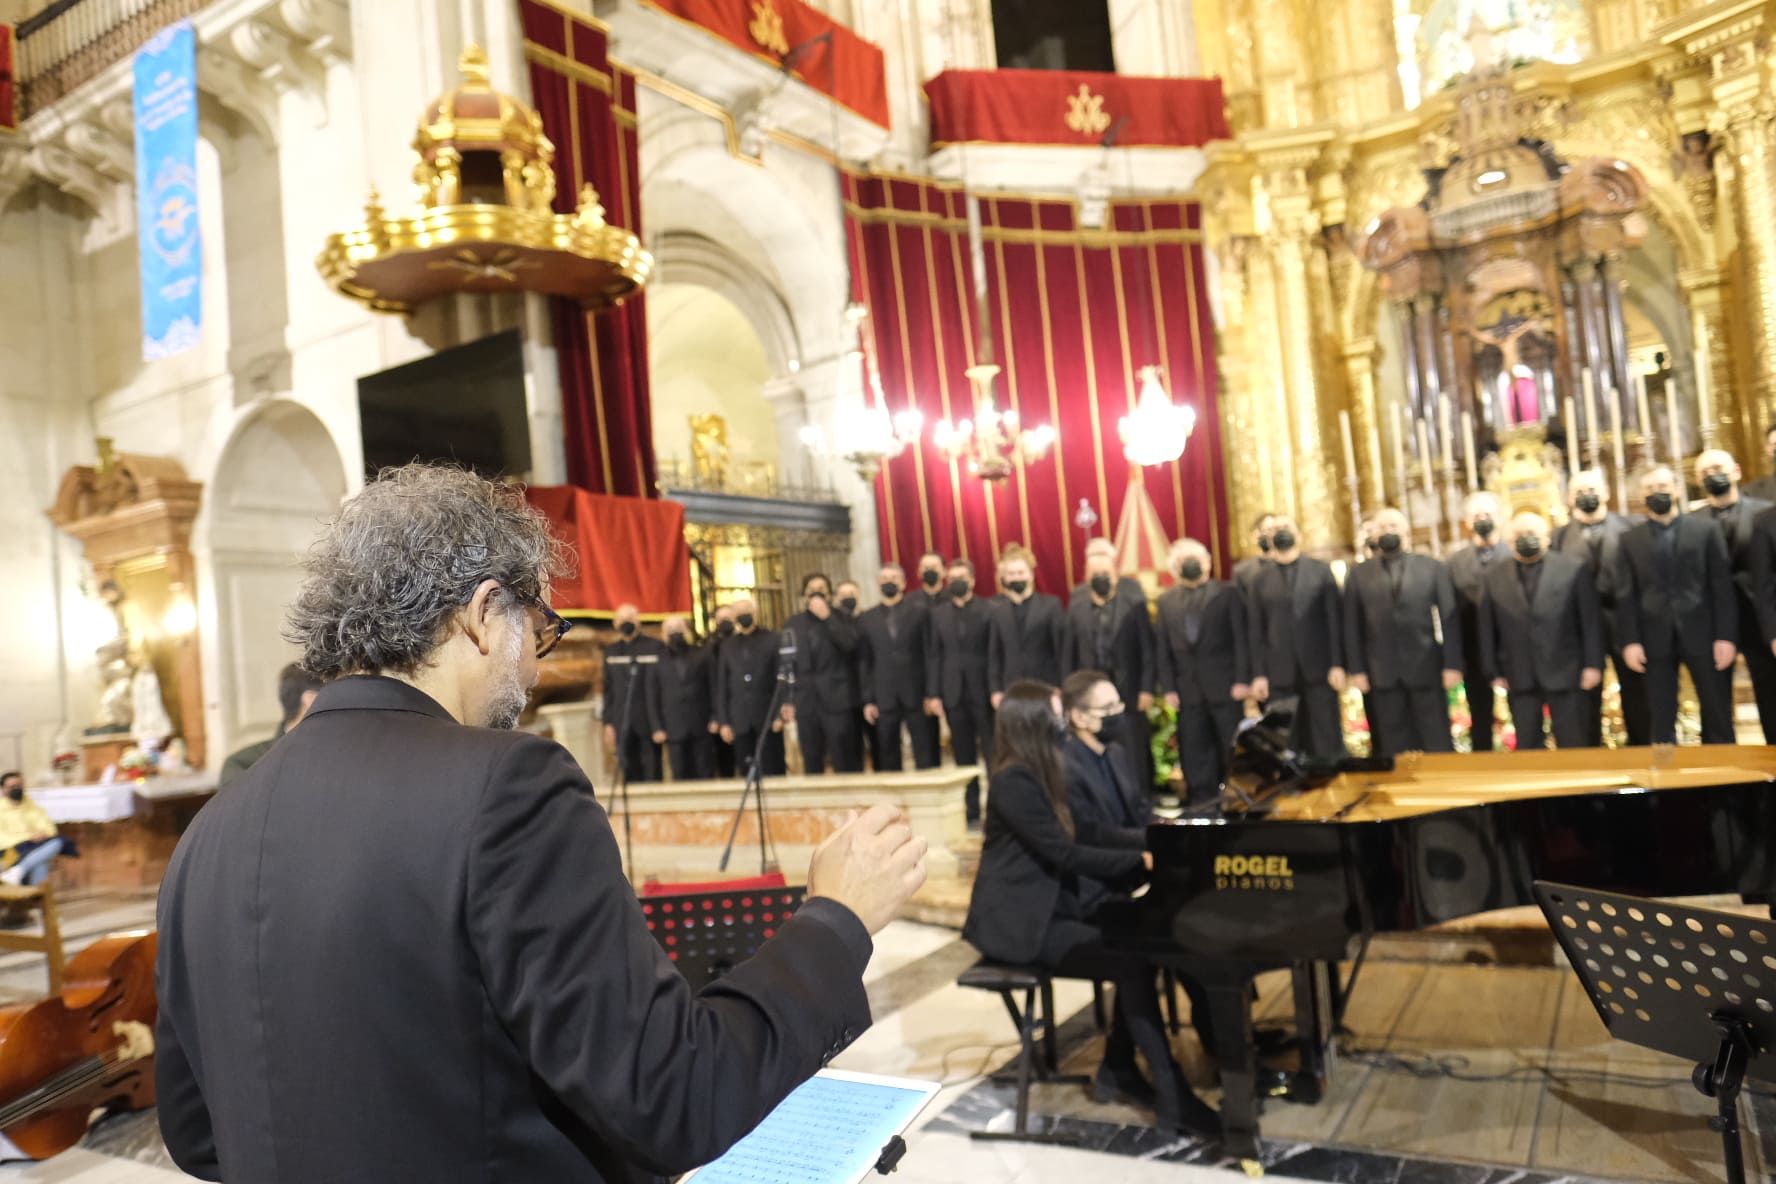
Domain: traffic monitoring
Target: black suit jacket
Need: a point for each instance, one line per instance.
(1406, 641)
(1763, 575)
(687, 688)
(1207, 671)
(1761, 487)
(1109, 809)
(1686, 613)
(1467, 573)
(1132, 660)
(1570, 539)
(1545, 645)
(1036, 651)
(1026, 855)
(956, 652)
(644, 702)
(746, 680)
(1299, 636)
(403, 949)
(1741, 542)
(893, 664)
(826, 661)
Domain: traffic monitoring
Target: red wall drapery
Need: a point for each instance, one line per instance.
(587, 104)
(1035, 107)
(1074, 315)
(8, 87)
(851, 70)
(630, 550)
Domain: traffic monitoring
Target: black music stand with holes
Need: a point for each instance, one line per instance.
(1696, 983)
(707, 934)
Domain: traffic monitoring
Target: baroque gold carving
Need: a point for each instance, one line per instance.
(766, 28)
(1086, 114)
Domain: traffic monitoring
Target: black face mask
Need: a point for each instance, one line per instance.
(958, 588)
(744, 620)
(1017, 587)
(627, 628)
(1389, 543)
(1284, 540)
(724, 628)
(849, 604)
(677, 643)
(1528, 546)
(1101, 585)
(1192, 570)
(1587, 503)
(931, 579)
(1484, 527)
(890, 591)
(1659, 503)
(1717, 484)
(17, 793)
(1263, 545)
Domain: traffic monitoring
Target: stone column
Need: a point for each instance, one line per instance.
(1746, 117)
(1719, 418)
(789, 406)
(1237, 381)
(1318, 495)
(1359, 377)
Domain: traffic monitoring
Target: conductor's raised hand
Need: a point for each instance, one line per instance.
(872, 865)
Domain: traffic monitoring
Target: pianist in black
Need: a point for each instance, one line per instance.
(1541, 637)
(1205, 668)
(1038, 888)
(1675, 602)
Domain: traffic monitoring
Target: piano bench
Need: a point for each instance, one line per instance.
(1035, 1021)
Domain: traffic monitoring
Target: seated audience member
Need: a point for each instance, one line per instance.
(1037, 890)
(28, 841)
(296, 690)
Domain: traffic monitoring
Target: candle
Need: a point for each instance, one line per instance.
(1468, 449)
(1447, 435)
(1400, 448)
(1350, 450)
(1424, 455)
(1374, 443)
(1572, 438)
(1615, 419)
(1673, 415)
(1593, 428)
(1704, 415)
(1646, 416)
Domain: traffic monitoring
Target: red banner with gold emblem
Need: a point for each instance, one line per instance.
(843, 65)
(1074, 107)
(630, 550)
(8, 85)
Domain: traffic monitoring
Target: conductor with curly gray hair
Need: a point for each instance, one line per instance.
(402, 947)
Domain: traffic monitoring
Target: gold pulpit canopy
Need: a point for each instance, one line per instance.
(486, 223)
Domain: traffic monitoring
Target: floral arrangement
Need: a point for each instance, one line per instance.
(1162, 732)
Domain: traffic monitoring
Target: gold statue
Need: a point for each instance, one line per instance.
(709, 451)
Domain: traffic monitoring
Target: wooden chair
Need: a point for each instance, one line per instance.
(48, 941)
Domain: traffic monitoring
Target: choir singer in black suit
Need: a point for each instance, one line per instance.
(1402, 642)
(1298, 628)
(1108, 629)
(1591, 535)
(1029, 630)
(401, 946)
(956, 675)
(1675, 603)
(895, 637)
(633, 725)
(1736, 513)
(1541, 637)
(825, 704)
(686, 676)
(1205, 671)
(1468, 566)
(744, 688)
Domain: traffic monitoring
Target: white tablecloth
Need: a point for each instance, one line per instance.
(108, 803)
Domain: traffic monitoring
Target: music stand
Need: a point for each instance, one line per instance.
(707, 934)
(1696, 983)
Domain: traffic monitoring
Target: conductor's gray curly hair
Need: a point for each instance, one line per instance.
(404, 555)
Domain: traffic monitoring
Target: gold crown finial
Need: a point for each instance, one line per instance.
(473, 65)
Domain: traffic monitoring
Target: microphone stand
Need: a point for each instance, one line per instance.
(622, 786)
(754, 786)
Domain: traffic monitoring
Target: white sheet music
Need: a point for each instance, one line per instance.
(831, 1130)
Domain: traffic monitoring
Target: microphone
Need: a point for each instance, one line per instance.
(786, 669)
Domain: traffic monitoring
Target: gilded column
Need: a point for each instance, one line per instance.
(1745, 128)
(1318, 495)
(1242, 421)
(1359, 380)
(1719, 418)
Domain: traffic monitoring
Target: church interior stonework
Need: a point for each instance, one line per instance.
(789, 590)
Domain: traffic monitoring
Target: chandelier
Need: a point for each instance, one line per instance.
(866, 438)
(993, 442)
(1157, 430)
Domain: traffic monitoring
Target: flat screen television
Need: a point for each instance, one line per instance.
(465, 405)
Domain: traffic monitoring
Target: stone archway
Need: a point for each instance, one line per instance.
(279, 477)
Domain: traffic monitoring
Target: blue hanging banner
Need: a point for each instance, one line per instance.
(171, 245)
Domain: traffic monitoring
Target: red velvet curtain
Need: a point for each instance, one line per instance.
(1074, 314)
(630, 551)
(587, 104)
(8, 91)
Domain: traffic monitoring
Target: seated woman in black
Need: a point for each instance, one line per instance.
(1037, 889)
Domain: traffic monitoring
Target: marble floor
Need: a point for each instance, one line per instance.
(1452, 1075)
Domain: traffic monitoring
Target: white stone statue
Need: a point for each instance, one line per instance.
(153, 726)
(117, 700)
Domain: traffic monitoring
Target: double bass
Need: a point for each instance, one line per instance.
(89, 1048)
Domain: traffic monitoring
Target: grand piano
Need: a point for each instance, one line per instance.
(1300, 864)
